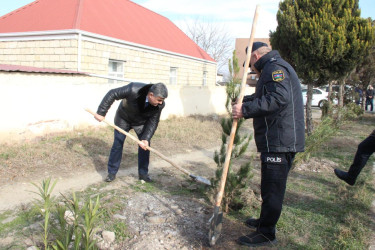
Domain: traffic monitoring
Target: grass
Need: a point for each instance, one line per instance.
(319, 211)
(143, 187)
(322, 212)
(62, 154)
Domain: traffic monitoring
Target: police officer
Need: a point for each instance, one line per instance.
(278, 119)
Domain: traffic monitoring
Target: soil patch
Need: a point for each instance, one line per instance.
(317, 165)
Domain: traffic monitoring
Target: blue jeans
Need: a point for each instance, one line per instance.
(371, 103)
(115, 155)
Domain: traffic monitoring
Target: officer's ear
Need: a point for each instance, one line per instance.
(256, 55)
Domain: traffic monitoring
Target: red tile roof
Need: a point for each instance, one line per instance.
(120, 19)
(19, 68)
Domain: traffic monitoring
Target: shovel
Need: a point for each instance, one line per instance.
(217, 218)
(194, 177)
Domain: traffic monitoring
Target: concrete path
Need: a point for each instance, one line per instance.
(21, 193)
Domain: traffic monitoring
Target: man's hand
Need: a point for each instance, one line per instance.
(99, 118)
(143, 144)
(237, 111)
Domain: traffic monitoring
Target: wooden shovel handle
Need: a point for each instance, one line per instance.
(220, 194)
(138, 141)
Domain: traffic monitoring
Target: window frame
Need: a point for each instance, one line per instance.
(116, 74)
(204, 82)
(173, 77)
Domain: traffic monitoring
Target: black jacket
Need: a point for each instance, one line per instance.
(276, 106)
(132, 111)
(370, 92)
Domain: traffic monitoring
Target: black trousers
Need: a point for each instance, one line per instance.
(365, 149)
(274, 171)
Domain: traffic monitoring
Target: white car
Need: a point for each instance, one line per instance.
(319, 97)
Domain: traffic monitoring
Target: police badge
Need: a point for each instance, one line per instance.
(278, 75)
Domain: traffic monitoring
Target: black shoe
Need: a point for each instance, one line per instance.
(344, 176)
(146, 178)
(252, 223)
(110, 177)
(256, 239)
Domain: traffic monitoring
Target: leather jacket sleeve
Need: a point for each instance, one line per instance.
(151, 126)
(111, 96)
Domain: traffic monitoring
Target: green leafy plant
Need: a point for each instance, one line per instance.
(63, 231)
(45, 192)
(83, 221)
(75, 226)
(91, 215)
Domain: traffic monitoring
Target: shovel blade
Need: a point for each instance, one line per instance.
(215, 226)
(201, 179)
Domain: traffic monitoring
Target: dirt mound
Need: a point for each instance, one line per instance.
(165, 222)
(317, 165)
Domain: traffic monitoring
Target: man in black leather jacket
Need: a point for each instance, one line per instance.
(140, 109)
(278, 119)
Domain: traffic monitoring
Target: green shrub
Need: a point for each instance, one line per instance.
(77, 230)
(325, 130)
(352, 111)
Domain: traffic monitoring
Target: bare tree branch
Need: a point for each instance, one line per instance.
(212, 38)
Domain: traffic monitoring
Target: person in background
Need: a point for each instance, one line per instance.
(140, 109)
(358, 95)
(370, 97)
(365, 149)
(279, 129)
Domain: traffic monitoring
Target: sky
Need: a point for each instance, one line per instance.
(235, 16)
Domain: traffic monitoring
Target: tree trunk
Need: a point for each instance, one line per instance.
(330, 99)
(341, 94)
(309, 121)
(364, 100)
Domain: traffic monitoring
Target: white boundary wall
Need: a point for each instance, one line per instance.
(34, 104)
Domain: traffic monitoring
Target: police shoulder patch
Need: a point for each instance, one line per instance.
(278, 75)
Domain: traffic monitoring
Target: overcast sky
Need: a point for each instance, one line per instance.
(235, 15)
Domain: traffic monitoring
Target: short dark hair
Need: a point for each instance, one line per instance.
(159, 90)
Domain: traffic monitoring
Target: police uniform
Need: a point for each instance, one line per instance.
(278, 119)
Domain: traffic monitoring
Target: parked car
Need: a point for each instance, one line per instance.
(319, 97)
(349, 93)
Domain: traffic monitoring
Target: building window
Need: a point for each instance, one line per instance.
(173, 76)
(204, 78)
(115, 69)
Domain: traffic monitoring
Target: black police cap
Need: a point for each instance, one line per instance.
(256, 45)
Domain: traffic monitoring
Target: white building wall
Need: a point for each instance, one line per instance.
(34, 104)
